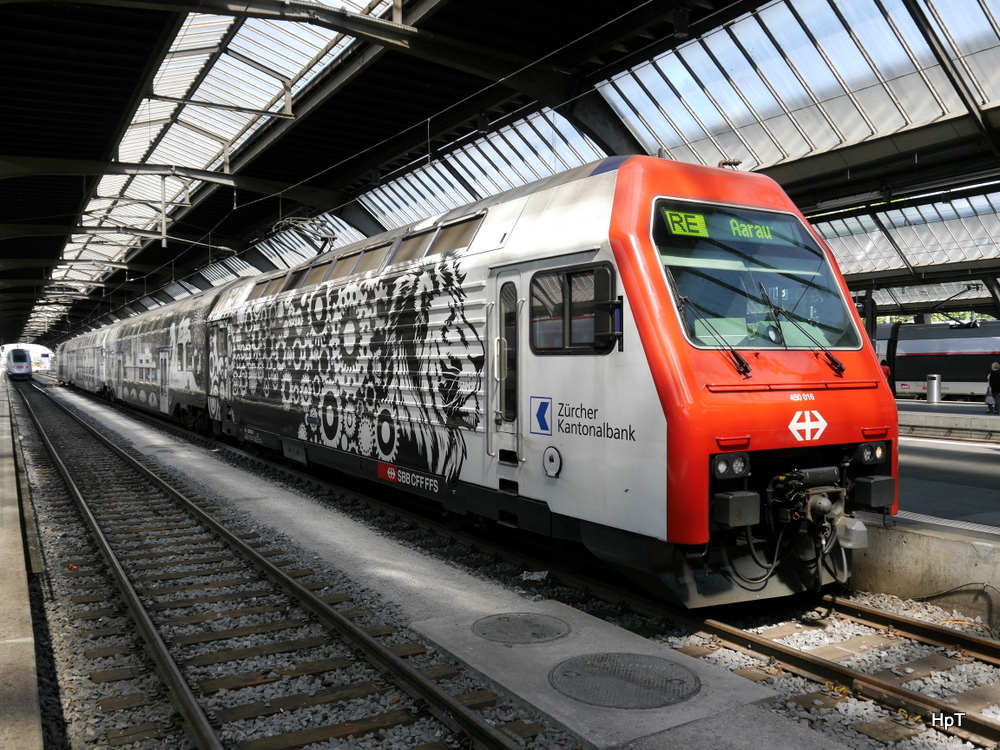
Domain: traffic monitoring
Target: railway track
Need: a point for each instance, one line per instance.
(838, 670)
(218, 613)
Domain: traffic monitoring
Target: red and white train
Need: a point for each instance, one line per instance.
(655, 360)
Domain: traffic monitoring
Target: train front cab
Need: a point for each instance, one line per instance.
(18, 363)
(779, 425)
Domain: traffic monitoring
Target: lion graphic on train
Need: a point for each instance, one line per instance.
(384, 367)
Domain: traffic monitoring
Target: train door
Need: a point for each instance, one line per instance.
(99, 369)
(505, 376)
(164, 373)
(119, 375)
(218, 378)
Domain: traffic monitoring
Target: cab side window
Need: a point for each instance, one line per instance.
(563, 312)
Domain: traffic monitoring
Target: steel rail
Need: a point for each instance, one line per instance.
(984, 649)
(445, 708)
(196, 724)
(824, 670)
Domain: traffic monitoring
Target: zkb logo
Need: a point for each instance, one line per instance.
(541, 415)
(807, 425)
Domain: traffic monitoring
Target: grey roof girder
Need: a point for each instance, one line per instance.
(956, 79)
(11, 167)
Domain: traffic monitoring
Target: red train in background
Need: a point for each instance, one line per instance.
(653, 360)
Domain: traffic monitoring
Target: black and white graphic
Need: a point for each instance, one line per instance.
(385, 367)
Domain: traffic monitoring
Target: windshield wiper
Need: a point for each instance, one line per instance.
(835, 364)
(774, 313)
(739, 362)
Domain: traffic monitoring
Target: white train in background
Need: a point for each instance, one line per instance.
(41, 357)
(960, 353)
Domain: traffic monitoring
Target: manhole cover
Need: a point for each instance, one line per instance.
(520, 628)
(624, 680)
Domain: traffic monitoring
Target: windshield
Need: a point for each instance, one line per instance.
(751, 279)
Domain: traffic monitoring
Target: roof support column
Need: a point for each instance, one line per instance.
(993, 285)
(592, 115)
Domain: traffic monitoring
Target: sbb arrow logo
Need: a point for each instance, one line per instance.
(807, 425)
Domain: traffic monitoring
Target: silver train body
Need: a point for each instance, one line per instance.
(960, 354)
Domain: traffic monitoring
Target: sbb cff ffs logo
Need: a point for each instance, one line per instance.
(391, 473)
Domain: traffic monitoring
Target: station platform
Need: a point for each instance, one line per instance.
(951, 562)
(21, 726)
(959, 420)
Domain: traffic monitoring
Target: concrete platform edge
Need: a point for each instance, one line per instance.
(21, 726)
(983, 427)
(949, 567)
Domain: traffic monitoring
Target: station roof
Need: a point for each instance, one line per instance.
(152, 148)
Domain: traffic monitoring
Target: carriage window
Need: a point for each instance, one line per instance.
(295, 278)
(562, 312)
(412, 247)
(258, 289)
(455, 236)
(372, 259)
(344, 265)
(274, 285)
(317, 273)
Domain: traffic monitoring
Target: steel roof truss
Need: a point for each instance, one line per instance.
(963, 84)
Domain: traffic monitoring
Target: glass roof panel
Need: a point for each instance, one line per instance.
(287, 50)
(639, 110)
(199, 32)
(785, 31)
(217, 274)
(251, 73)
(284, 252)
(698, 115)
(179, 289)
(538, 146)
(790, 80)
(238, 84)
(716, 84)
(240, 267)
(889, 300)
(185, 146)
(936, 233)
(967, 22)
(859, 246)
(835, 43)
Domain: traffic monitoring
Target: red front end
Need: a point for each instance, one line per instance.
(779, 422)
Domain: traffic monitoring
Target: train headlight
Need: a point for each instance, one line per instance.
(731, 465)
(871, 453)
(740, 464)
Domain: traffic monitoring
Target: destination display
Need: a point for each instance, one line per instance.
(721, 225)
